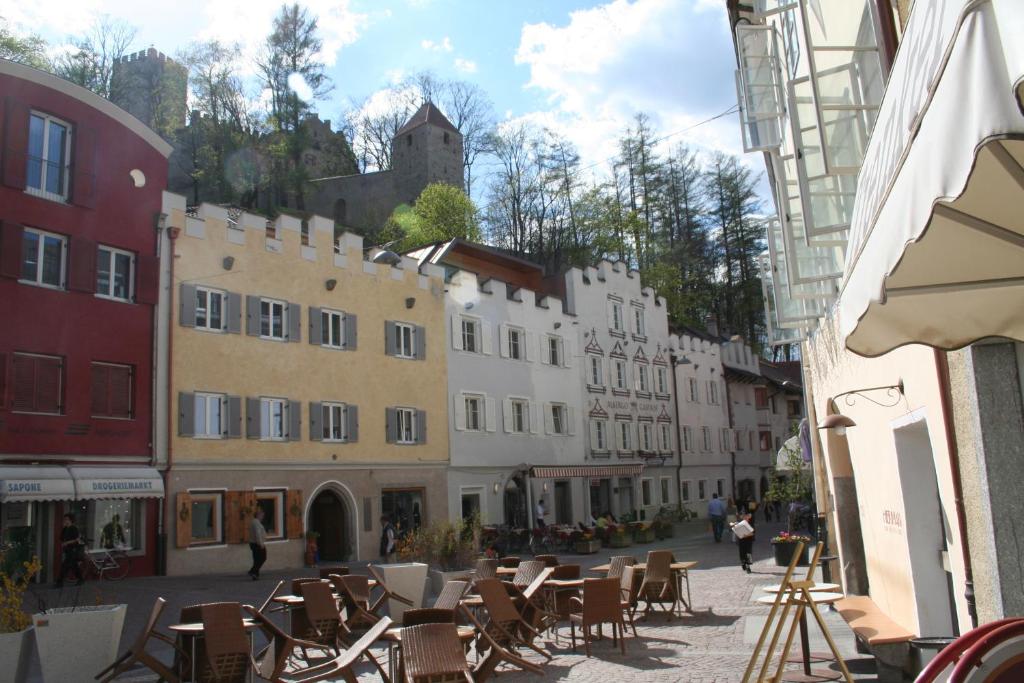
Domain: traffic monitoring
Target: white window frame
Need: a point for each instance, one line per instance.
(616, 322)
(208, 398)
(601, 430)
(702, 489)
(665, 484)
(643, 378)
(685, 489)
(559, 419)
(208, 292)
(405, 421)
(403, 350)
(646, 436)
(217, 500)
(621, 378)
(639, 327)
(474, 406)
(112, 252)
(687, 438)
(624, 435)
(328, 409)
(661, 375)
(647, 492)
(713, 392)
(38, 279)
(267, 404)
(516, 351)
(665, 433)
(554, 349)
(595, 370)
(524, 406)
(41, 191)
(694, 395)
(272, 304)
(469, 328)
(706, 439)
(720, 487)
(327, 315)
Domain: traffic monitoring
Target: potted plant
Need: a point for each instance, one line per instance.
(76, 642)
(447, 548)
(586, 543)
(643, 532)
(785, 544)
(16, 630)
(312, 555)
(618, 538)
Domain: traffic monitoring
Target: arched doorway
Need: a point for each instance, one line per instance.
(515, 502)
(329, 516)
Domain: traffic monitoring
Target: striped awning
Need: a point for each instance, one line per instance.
(591, 471)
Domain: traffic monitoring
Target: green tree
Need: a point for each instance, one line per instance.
(28, 49)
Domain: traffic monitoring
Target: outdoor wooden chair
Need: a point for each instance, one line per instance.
(325, 572)
(627, 595)
(505, 623)
(451, 595)
(355, 592)
(268, 605)
(228, 657)
(299, 581)
(525, 574)
(509, 561)
(560, 604)
(428, 615)
(486, 568)
(659, 586)
(319, 620)
(548, 560)
(138, 654)
(184, 644)
(432, 653)
(617, 564)
(496, 652)
(600, 605)
(273, 660)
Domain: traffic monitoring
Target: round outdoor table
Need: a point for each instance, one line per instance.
(393, 636)
(807, 674)
(194, 630)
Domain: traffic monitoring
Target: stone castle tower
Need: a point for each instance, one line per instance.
(153, 88)
(427, 149)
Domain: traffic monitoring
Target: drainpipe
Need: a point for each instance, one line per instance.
(945, 397)
(679, 433)
(728, 412)
(167, 509)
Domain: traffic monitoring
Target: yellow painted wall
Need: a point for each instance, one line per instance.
(248, 366)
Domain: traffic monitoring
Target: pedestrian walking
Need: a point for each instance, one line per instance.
(716, 513)
(387, 540)
(745, 540)
(257, 543)
(540, 514)
(71, 549)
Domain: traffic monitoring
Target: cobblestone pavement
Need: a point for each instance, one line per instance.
(710, 645)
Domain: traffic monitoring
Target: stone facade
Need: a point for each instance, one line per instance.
(151, 87)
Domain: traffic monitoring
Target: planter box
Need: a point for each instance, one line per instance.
(439, 578)
(667, 531)
(784, 554)
(76, 643)
(644, 535)
(15, 650)
(620, 541)
(408, 579)
(588, 547)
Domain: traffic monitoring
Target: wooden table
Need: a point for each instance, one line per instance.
(393, 636)
(807, 674)
(507, 571)
(681, 570)
(195, 630)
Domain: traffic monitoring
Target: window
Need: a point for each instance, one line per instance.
(115, 523)
(713, 392)
(38, 383)
(599, 438)
(520, 416)
(760, 398)
(207, 518)
(115, 274)
(49, 146)
(646, 495)
(210, 309)
(620, 375)
(332, 422)
(515, 343)
(687, 438)
(405, 338)
(43, 258)
(332, 329)
(272, 319)
(664, 490)
(559, 420)
(406, 425)
(616, 316)
(766, 440)
(273, 419)
(404, 507)
(208, 410)
(694, 395)
(646, 436)
(625, 434)
(554, 350)
(792, 408)
(702, 489)
(662, 380)
(272, 504)
(639, 329)
(706, 438)
(446, 139)
(643, 378)
(684, 491)
(720, 487)
(111, 390)
(470, 335)
(474, 423)
(738, 439)
(596, 371)
(666, 436)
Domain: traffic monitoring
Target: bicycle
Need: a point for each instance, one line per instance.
(112, 564)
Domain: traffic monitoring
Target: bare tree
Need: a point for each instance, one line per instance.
(91, 63)
(470, 110)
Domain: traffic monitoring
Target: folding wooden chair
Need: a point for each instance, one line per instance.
(301, 580)
(228, 657)
(505, 622)
(627, 594)
(319, 617)
(325, 572)
(497, 653)
(427, 615)
(338, 667)
(485, 569)
(271, 662)
(617, 564)
(138, 655)
(451, 595)
(548, 560)
(525, 574)
(600, 605)
(659, 586)
(432, 653)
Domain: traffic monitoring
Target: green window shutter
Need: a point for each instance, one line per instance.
(252, 315)
(389, 338)
(186, 414)
(294, 322)
(294, 421)
(351, 332)
(351, 423)
(234, 417)
(316, 430)
(421, 426)
(391, 425)
(420, 342)
(234, 313)
(187, 305)
(252, 418)
(316, 325)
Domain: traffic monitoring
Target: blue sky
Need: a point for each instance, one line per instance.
(581, 68)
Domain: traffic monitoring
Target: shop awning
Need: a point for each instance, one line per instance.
(592, 471)
(936, 250)
(28, 483)
(117, 482)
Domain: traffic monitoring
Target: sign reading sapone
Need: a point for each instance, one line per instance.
(24, 487)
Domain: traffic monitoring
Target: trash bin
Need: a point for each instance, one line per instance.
(923, 650)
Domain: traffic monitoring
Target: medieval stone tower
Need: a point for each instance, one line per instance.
(153, 88)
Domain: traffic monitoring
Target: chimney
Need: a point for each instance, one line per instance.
(711, 324)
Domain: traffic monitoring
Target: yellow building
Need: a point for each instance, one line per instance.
(304, 379)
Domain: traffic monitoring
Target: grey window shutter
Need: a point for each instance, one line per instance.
(421, 343)
(234, 313)
(294, 322)
(294, 420)
(186, 413)
(187, 306)
(252, 315)
(351, 423)
(391, 424)
(389, 338)
(316, 430)
(234, 415)
(316, 325)
(421, 426)
(252, 418)
(351, 335)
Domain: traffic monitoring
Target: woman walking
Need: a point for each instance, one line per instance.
(745, 542)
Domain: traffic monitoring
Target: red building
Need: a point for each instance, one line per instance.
(81, 185)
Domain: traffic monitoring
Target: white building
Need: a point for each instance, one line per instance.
(750, 439)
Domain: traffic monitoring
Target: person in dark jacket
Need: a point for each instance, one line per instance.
(746, 545)
(71, 551)
(387, 540)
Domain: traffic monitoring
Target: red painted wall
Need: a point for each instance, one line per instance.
(74, 324)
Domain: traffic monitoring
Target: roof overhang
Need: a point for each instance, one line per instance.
(117, 482)
(592, 471)
(26, 483)
(936, 251)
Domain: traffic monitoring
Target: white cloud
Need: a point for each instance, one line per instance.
(669, 59)
(444, 46)
(466, 66)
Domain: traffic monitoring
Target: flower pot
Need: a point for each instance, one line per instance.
(620, 541)
(15, 650)
(784, 554)
(644, 535)
(76, 643)
(408, 579)
(439, 577)
(587, 546)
